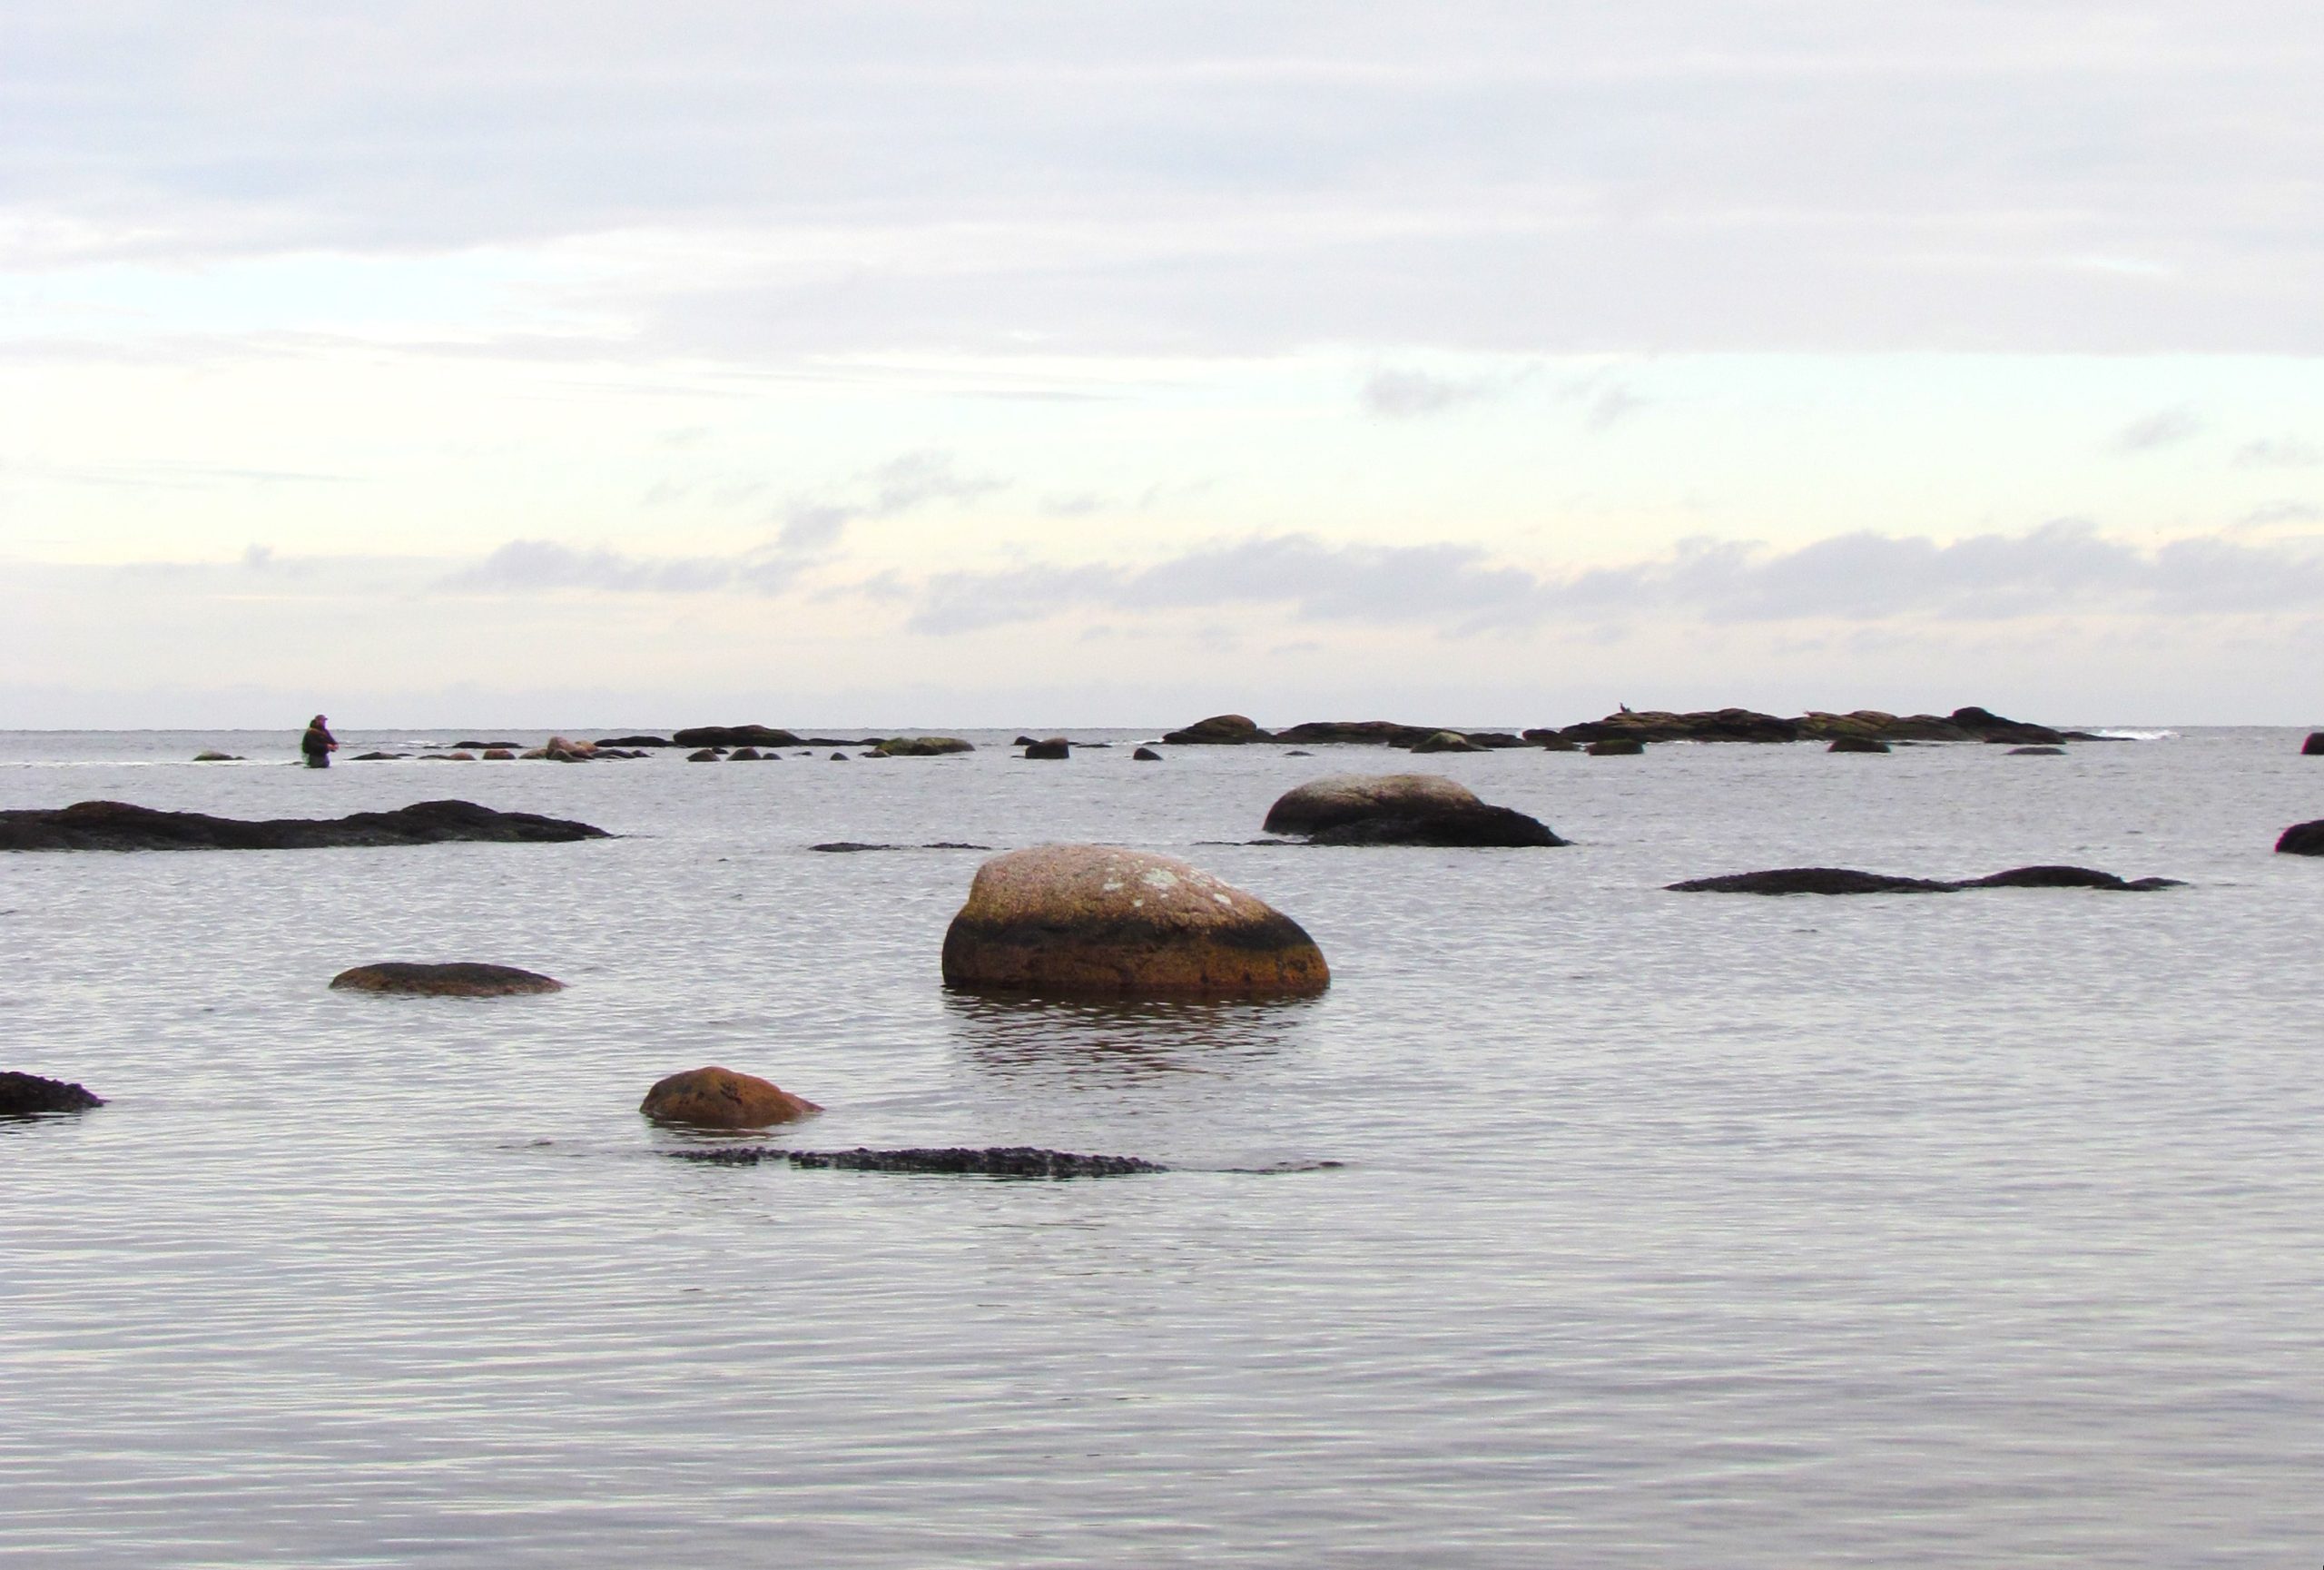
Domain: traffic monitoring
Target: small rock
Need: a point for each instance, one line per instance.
(1856, 743)
(2036, 752)
(839, 757)
(716, 1097)
(1446, 741)
(2303, 839)
(743, 754)
(1615, 747)
(1847, 881)
(458, 979)
(994, 1162)
(448, 757)
(1055, 746)
(707, 754)
(217, 758)
(2314, 745)
(375, 757)
(29, 1095)
(497, 754)
(1146, 754)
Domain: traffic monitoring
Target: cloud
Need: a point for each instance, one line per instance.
(1414, 394)
(2279, 452)
(2165, 427)
(900, 485)
(532, 565)
(2062, 568)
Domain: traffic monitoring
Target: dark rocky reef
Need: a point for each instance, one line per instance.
(459, 979)
(1401, 810)
(725, 735)
(119, 827)
(29, 1095)
(2302, 839)
(1742, 725)
(1846, 881)
(638, 741)
(991, 1162)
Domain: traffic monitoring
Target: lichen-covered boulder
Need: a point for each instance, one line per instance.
(1401, 809)
(1099, 919)
(716, 1097)
(30, 1095)
(458, 979)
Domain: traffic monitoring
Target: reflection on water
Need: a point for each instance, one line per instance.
(1115, 1039)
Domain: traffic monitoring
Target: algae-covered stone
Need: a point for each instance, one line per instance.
(1098, 919)
(716, 1097)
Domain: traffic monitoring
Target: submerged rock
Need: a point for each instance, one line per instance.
(460, 979)
(1856, 743)
(1098, 919)
(466, 756)
(637, 741)
(1846, 881)
(1053, 747)
(842, 846)
(1401, 809)
(2302, 839)
(716, 1097)
(218, 757)
(1218, 730)
(991, 1162)
(2037, 752)
(371, 757)
(29, 1095)
(119, 826)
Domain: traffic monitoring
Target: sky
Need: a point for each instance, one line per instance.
(1044, 364)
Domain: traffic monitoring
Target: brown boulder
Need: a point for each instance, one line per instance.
(497, 754)
(1219, 730)
(716, 1098)
(1099, 919)
(1056, 747)
(461, 980)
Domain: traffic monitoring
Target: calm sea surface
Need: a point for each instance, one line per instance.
(1974, 1230)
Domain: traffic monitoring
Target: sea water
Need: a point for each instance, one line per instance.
(1964, 1230)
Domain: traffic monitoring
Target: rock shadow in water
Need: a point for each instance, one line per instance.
(1035, 1038)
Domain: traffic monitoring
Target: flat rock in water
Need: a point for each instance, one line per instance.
(119, 826)
(922, 747)
(29, 1095)
(1847, 881)
(1401, 809)
(2302, 839)
(460, 979)
(758, 736)
(217, 758)
(1856, 743)
(842, 846)
(991, 1162)
(2037, 752)
(1100, 920)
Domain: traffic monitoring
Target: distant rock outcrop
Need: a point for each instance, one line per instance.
(1218, 730)
(1401, 809)
(758, 736)
(29, 1095)
(2302, 839)
(119, 826)
(1846, 881)
(460, 979)
(716, 1097)
(922, 747)
(1098, 919)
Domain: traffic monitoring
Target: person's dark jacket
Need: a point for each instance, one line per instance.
(316, 740)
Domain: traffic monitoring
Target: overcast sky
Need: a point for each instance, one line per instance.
(1044, 364)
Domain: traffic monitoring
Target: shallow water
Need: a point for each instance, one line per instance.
(1963, 1229)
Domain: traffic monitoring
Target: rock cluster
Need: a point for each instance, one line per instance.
(119, 826)
(716, 1097)
(1400, 809)
(460, 979)
(1101, 920)
(1846, 881)
(1735, 724)
(30, 1095)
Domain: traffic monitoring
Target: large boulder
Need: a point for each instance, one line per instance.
(716, 1097)
(922, 747)
(1099, 919)
(2303, 839)
(29, 1095)
(460, 979)
(1445, 741)
(1219, 730)
(1404, 809)
(119, 826)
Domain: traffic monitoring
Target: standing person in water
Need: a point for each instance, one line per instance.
(318, 744)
